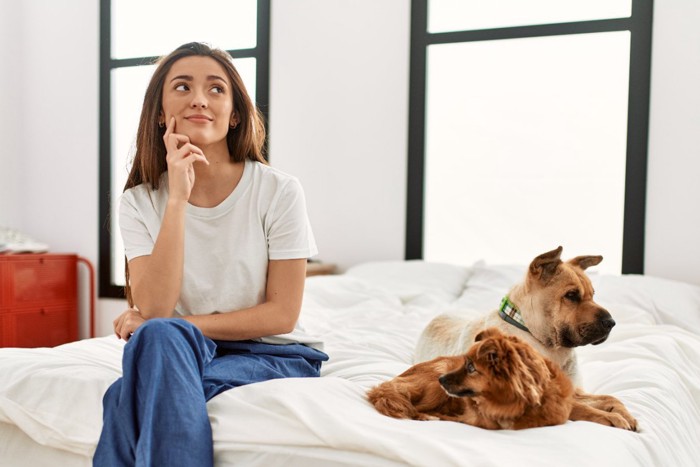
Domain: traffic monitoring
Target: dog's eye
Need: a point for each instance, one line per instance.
(573, 295)
(470, 367)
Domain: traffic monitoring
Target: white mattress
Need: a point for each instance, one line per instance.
(370, 318)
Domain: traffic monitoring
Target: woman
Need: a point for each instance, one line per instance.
(216, 239)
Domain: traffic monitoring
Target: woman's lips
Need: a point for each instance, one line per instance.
(198, 118)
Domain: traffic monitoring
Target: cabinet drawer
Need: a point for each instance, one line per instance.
(39, 327)
(38, 280)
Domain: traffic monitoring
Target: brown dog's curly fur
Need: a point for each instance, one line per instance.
(500, 383)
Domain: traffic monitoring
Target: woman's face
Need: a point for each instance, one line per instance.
(198, 93)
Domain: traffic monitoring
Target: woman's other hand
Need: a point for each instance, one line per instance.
(127, 323)
(181, 154)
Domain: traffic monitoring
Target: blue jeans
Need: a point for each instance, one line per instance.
(156, 414)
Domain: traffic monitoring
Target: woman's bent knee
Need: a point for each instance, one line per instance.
(165, 328)
(168, 334)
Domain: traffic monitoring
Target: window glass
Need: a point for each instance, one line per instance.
(457, 15)
(526, 147)
(155, 27)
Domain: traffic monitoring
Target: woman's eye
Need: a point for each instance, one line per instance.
(181, 87)
(218, 89)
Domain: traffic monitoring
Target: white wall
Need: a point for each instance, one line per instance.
(50, 117)
(12, 112)
(339, 118)
(673, 190)
(338, 122)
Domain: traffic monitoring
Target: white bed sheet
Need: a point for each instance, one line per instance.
(370, 318)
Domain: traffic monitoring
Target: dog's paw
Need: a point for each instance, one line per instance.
(606, 410)
(621, 411)
(613, 405)
(425, 417)
(618, 421)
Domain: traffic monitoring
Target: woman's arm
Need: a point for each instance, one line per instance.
(277, 315)
(156, 279)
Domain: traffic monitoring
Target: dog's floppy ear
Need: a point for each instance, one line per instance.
(517, 363)
(529, 373)
(523, 368)
(585, 262)
(486, 333)
(490, 352)
(546, 264)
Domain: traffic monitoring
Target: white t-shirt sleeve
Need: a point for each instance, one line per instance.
(135, 235)
(289, 234)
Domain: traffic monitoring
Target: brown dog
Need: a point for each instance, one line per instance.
(552, 310)
(500, 383)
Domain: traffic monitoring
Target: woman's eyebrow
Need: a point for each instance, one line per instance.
(216, 78)
(190, 78)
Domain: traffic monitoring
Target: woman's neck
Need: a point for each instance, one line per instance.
(216, 181)
(217, 154)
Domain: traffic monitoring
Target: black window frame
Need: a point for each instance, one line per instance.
(640, 26)
(261, 52)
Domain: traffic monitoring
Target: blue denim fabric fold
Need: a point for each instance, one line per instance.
(156, 414)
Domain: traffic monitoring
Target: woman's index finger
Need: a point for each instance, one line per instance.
(171, 126)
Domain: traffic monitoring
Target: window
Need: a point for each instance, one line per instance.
(528, 130)
(133, 35)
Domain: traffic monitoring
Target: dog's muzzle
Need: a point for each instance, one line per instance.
(605, 325)
(447, 383)
(594, 332)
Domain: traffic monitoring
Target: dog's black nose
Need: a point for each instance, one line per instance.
(608, 323)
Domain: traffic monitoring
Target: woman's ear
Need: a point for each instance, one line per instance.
(234, 121)
(161, 119)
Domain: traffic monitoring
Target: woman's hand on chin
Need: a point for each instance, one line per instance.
(182, 154)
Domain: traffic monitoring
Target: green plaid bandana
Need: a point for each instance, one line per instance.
(511, 314)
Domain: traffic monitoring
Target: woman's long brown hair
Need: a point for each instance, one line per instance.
(245, 141)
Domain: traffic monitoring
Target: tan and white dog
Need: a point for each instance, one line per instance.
(553, 310)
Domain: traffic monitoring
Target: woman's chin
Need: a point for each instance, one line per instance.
(202, 140)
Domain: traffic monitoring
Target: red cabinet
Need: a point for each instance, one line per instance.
(38, 300)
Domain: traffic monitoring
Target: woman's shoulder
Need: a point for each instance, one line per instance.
(145, 191)
(272, 175)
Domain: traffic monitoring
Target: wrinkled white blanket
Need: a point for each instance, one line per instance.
(370, 319)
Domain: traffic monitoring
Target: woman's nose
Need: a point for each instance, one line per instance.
(198, 100)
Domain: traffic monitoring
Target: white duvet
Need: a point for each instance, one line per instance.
(370, 318)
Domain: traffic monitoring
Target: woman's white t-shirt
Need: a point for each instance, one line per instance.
(227, 247)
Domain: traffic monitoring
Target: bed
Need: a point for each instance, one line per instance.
(370, 317)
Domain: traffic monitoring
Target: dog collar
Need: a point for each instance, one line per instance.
(511, 314)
